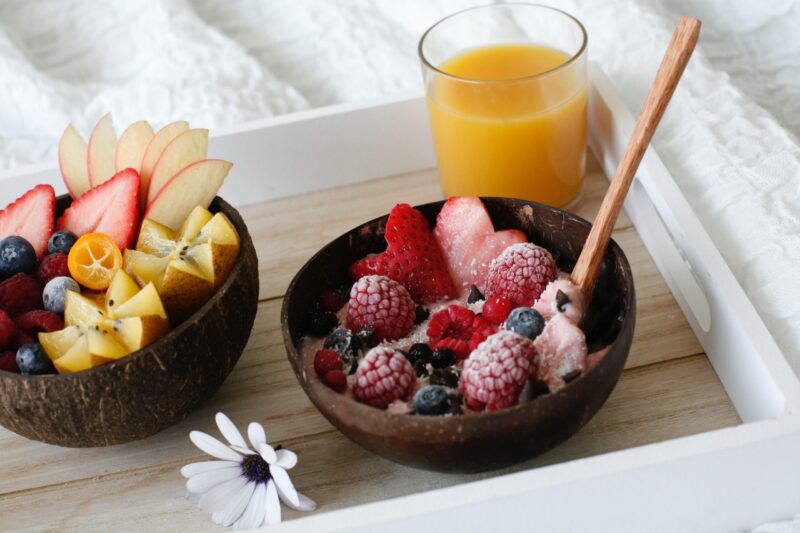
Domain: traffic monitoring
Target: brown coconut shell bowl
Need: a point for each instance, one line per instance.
(485, 441)
(147, 390)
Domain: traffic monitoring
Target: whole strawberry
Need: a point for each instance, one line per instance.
(383, 376)
(412, 257)
(520, 274)
(381, 304)
(458, 329)
(496, 371)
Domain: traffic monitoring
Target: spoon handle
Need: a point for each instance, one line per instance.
(675, 58)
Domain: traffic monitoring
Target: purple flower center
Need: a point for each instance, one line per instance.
(256, 469)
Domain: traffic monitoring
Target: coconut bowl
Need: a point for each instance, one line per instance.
(486, 441)
(152, 388)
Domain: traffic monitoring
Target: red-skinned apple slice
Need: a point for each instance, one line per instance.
(195, 185)
(101, 150)
(72, 161)
(164, 136)
(131, 146)
(187, 148)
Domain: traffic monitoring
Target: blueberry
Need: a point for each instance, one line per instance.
(442, 357)
(446, 377)
(475, 295)
(421, 368)
(31, 359)
(431, 400)
(421, 315)
(526, 322)
(16, 255)
(55, 293)
(61, 242)
(419, 352)
(347, 345)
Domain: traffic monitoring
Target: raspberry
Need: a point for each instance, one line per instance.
(496, 309)
(383, 376)
(8, 362)
(326, 361)
(495, 373)
(37, 321)
(520, 274)
(52, 266)
(336, 379)
(8, 330)
(382, 304)
(458, 329)
(332, 300)
(22, 339)
(20, 293)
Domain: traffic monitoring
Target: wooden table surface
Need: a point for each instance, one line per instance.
(667, 390)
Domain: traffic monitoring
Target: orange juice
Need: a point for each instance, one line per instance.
(508, 122)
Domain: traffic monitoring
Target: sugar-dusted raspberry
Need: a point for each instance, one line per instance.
(336, 379)
(496, 371)
(383, 376)
(382, 304)
(8, 362)
(52, 266)
(38, 321)
(326, 360)
(458, 329)
(8, 331)
(20, 293)
(520, 274)
(497, 309)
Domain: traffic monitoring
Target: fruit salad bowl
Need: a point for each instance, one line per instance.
(478, 441)
(150, 389)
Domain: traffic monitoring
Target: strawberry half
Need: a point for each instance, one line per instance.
(111, 208)
(31, 217)
(412, 258)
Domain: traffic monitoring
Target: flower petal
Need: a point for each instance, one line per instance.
(267, 453)
(256, 434)
(306, 503)
(215, 499)
(208, 480)
(244, 451)
(235, 506)
(253, 516)
(272, 511)
(212, 446)
(285, 488)
(286, 458)
(192, 469)
(229, 431)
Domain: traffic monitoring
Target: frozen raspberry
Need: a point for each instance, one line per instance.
(520, 274)
(325, 361)
(383, 376)
(52, 266)
(8, 330)
(20, 293)
(458, 329)
(496, 371)
(382, 304)
(496, 309)
(336, 379)
(22, 339)
(8, 362)
(37, 321)
(332, 300)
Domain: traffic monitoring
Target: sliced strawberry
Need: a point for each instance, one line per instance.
(111, 208)
(468, 241)
(412, 257)
(31, 216)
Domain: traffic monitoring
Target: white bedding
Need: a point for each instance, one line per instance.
(729, 137)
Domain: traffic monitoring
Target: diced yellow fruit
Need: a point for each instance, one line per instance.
(145, 268)
(76, 359)
(122, 289)
(80, 310)
(194, 223)
(58, 343)
(144, 303)
(155, 239)
(103, 347)
(219, 230)
(136, 332)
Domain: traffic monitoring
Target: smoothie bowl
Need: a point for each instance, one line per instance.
(486, 367)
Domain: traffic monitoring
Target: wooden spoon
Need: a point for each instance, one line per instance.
(674, 62)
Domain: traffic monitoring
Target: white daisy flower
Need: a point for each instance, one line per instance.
(244, 487)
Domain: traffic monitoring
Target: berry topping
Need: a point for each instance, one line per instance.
(31, 217)
(469, 242)
(111, 208)
(325, 361)
(54, 296)
(8, 362)
(52, 266)
(458, 329)
(8, 331)
(446, 377)
(383, 376)
(31, 359)
(520, 274)
(442, 358)
(412, 257)
(526, 322)
(320, 323)
(382, 304)
(496, 309)
(419, 352)
(336, 379)
(475, 295)
(61, 242)
(562, 352)
(431, 400)
(421, 314)
(20, 293)
(421, 368)
(332, 300)
(38, 321)
(16, 255)
(346, 345)
(496, 371)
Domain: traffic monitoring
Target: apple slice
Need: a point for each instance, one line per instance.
(72, 161)
(187, 148)
(195, 185)
(100, 153)
(132, 145)
(160, 141)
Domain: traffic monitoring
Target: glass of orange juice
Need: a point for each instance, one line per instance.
(506, 87)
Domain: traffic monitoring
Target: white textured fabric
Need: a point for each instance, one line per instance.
(729, 136)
